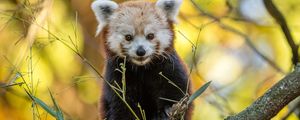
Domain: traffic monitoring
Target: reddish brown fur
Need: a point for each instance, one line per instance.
(109, 54)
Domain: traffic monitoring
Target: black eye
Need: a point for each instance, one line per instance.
(128, 37)
(150, 36)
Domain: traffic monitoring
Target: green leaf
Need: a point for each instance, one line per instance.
(41, 103)
(44, 106)
(59, 114)
(198, 92)
(55, 113)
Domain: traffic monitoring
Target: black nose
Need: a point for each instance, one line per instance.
(140, 51)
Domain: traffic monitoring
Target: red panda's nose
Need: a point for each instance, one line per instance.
(140, 51)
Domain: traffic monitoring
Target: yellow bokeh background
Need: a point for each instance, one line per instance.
(37, 39)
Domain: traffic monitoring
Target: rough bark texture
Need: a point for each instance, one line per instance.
(268, 105)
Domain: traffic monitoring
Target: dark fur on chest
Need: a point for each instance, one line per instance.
(145, 86)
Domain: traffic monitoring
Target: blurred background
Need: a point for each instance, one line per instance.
(236, 44)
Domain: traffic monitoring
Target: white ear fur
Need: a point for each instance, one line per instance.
(170, 7)
(103, 9)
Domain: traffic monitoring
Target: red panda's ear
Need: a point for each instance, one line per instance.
(103, 9)
(170, 7)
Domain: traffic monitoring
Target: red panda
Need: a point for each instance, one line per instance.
(141, 33)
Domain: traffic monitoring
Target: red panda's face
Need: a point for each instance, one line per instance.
(139, 31)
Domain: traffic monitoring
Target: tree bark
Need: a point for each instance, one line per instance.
(268, 105)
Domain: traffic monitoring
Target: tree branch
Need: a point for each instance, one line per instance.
(277, 15)
(239, 33)
(268, 105)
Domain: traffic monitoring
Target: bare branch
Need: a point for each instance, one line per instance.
(237, 32)
(268, 105)
(277, 15)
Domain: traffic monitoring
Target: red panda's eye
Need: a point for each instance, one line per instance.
(128, 37)
(150, 36)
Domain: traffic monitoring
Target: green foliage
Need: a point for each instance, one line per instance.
(56, 112)
(198, 92)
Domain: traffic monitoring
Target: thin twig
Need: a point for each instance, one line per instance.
(172, 83)
(10, 85)
(167, 99)
(278, 16)
(237, 32)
